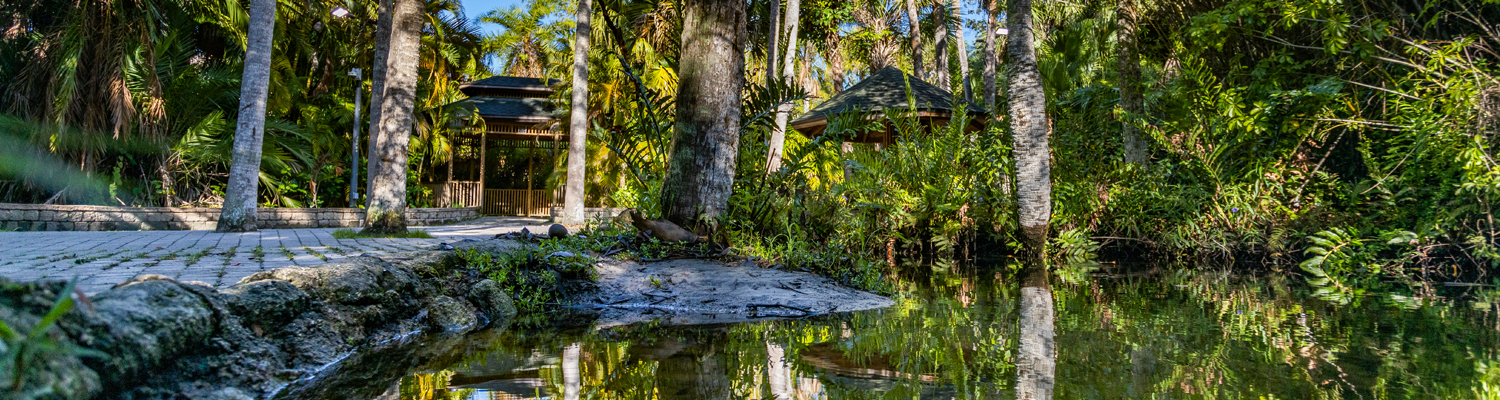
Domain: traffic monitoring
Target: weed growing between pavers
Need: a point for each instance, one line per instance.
(89, 259)
(288, 254)
(193, 258)
(347, 233)
(258, 254)
(315, 253)
(337, 250)
(229, 255)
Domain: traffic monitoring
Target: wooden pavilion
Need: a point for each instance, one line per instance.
(518, 112)
(884, 90)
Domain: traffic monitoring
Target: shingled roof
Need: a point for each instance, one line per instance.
(510, 108)
(885, 89)
(514, 81)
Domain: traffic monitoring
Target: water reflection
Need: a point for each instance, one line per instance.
(1023, 334)
(1036, 363)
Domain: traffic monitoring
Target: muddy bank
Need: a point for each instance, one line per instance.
(688, 292)
(275, 334)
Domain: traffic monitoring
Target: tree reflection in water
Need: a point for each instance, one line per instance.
(1036, 361)
(1018, 333)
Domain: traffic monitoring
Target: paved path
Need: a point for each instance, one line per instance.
(102, 259)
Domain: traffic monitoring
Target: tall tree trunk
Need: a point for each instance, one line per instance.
(1130, 77)
(1036, 354)
(989, 55)
(940, 75)
(963, 52)
(238, 214)
(788, 75)
(578, 122)
(377, 88)
(386, 212)
(915, 19)
(1030, 130)
(773, 27)
(700, 169)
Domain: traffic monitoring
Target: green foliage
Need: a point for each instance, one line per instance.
(535, 277)
(27, 351)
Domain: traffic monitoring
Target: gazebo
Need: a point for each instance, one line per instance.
(884, 90)
(518, 112)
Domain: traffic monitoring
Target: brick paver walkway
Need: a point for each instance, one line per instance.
(102, 259)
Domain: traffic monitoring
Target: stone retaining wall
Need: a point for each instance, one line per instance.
(37, 217)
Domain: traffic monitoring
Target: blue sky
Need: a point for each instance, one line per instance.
(475, 8)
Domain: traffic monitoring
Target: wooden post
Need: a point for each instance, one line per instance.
(484, 141)
(529, 162)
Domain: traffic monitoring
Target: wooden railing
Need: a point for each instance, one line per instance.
(520, 130)
(460, 193)
(521, 201)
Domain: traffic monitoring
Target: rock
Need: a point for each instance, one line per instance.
(563, 254)
(491, 300)
(444, 246)
(449, 314)
(268, 303)
(557, 231)
(228, 393)
(140, 325)
(664, 230)
(351, 282)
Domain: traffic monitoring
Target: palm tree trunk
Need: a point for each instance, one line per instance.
(238, 214)
(578, 123)
(1030, 130)
(1036, 358)
(572, 375)
(386, 212)
(700, 169)
(940, 40)
(963, 52)
(773, 26)
(377, 88)
(989, 55)
(1130, 93)
(778, 133)
(916, 38)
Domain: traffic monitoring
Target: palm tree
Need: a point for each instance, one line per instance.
(578, 120)
(238, 214)
(914, 20)
(531, 39)
(989, 54)
(963, 51)
(1030, 130)
(386, 212)
(1130, 77)
(700, 170)
(783, 111)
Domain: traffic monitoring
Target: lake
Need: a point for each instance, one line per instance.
(1081, 332)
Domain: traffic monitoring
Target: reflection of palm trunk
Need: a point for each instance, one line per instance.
(780, 372)
(1037, 361)
(572, 379)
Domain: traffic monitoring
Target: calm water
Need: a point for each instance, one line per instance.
(997, 334)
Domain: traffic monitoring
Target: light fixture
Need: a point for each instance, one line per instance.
(340, 12)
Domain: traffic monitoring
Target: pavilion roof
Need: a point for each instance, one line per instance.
(885, 89)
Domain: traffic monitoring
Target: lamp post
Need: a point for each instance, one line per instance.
(354, 140)
(359, 81)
